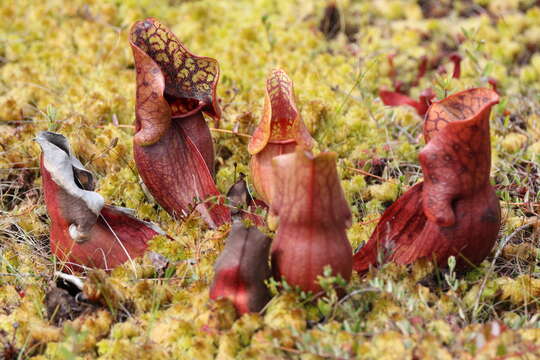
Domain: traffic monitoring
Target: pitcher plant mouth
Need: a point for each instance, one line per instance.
(280, 130)
(85, 232)
(190, 81)
(454, 211)
(281, 122)
(173, 147)
(464, 106)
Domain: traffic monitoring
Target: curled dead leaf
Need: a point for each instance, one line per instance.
(85, 232)
(243, 205)
(62, 306)
(330, 24)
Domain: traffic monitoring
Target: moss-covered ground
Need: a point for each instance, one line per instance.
(66, 66)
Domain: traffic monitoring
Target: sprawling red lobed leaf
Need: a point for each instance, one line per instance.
(84, 231)
(279, 132)
(455, 211)
(242, 268)
(173, 147)
(313, 216)
(392, 98)
(399, 96)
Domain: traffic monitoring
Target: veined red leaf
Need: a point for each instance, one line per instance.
(313, 215)
(279, 132)
(455, 211)
(391, 98)
(173, 147)
(242, 268)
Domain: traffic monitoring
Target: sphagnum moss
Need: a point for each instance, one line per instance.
(67, 67)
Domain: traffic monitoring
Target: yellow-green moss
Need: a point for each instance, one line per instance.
(66, 66)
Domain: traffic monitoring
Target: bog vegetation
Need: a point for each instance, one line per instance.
(364, 73)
